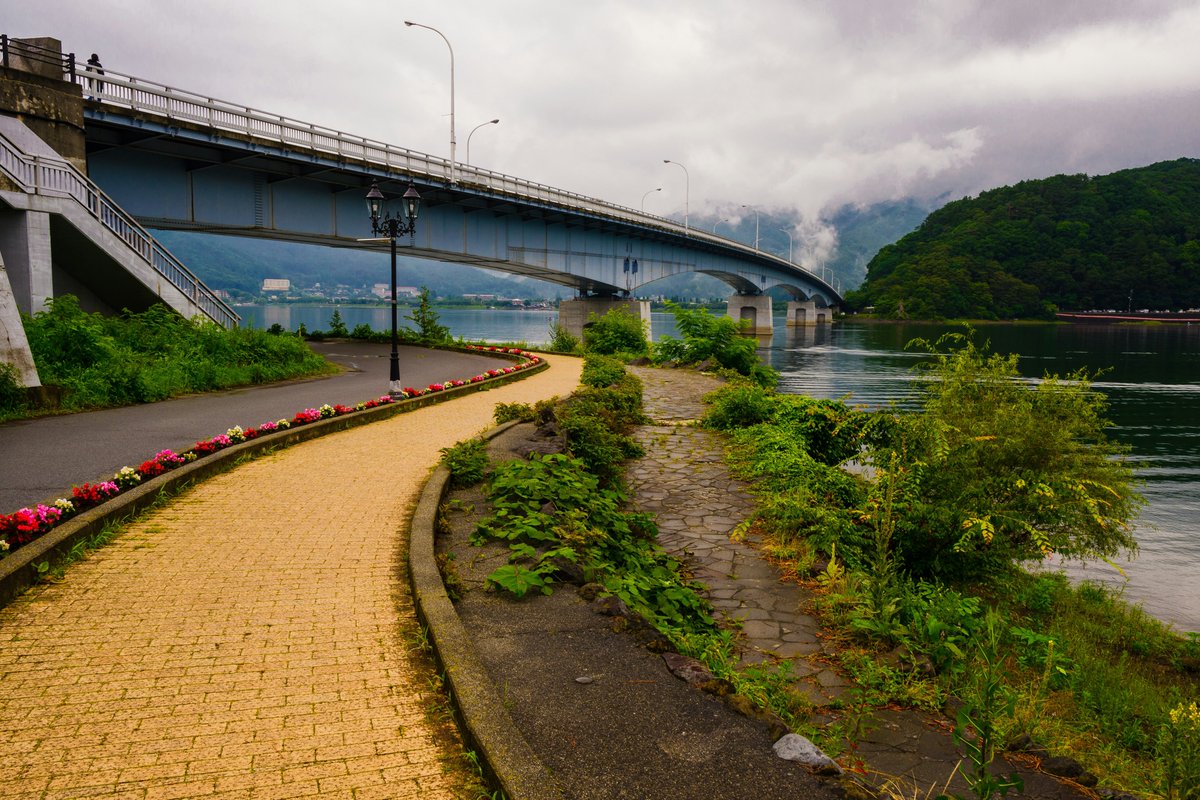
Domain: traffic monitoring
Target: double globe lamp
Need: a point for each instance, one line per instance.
(384, 225)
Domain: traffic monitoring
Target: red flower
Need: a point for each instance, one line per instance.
(149, 469)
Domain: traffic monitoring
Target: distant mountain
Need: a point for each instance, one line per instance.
(863, 230)
(1126, 240)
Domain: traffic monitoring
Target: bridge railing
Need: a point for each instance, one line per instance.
(56, 177)
(147, 97)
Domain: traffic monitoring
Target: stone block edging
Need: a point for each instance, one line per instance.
(19, 570)
(504, 754)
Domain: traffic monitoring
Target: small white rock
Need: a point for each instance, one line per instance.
(583, 679)
(794, 747)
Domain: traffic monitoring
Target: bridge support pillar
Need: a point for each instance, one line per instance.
(14, 345)
(801, 313)
(806, 312)
(25, 248)
(574, 314)
(756, 309)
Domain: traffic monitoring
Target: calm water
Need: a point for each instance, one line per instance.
(1153, 386)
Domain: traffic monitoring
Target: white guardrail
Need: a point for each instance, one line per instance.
(56, 177)
(146, 97)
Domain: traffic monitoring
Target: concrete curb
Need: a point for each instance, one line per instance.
(504, 754)
(20, 570)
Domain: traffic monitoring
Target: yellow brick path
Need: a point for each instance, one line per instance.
(246, 640)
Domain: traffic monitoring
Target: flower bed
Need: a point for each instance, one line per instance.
(28, 524)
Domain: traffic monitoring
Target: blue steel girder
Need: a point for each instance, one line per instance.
(183, 176)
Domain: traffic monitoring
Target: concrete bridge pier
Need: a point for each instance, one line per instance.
(574, 314)
(756, 309)
(25, 250)
(14, 345)
(806, 312)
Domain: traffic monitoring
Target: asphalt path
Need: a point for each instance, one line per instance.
(40, 459)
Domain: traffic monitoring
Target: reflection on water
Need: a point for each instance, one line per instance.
(1151, 379)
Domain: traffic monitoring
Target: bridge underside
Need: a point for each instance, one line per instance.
(178, 177)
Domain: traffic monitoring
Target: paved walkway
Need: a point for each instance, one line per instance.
(246, 640)
(683, 480)
(33, 466)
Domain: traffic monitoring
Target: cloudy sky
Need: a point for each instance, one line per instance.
(787, 105)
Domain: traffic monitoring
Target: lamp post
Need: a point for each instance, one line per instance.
(718, 222)
(687, 189)
(385, 225)
(447, 41)
(647, 194)
(755, 210)
(789, 233)
(472, 133)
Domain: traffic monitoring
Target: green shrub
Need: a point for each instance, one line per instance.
(429, 330)
(719, 338)
(738, 405)
(136, 358)
(362, 331)
(618, 331)
(467, 462)
(507, 412)
(993, 471)
(601, 371)
(12, 392)
(562, 340)
(336, 326)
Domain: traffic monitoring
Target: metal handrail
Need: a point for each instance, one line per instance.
(56, 177)
(147, 97)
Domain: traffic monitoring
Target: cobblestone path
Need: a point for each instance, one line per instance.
(246, 640)
(683, 480)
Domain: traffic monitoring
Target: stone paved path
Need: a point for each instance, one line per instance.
(683, 480)
(245, 640)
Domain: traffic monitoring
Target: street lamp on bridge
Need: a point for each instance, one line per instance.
(472, 133)
(647, 194)
(789, 233)
(385, 225)
(755, 210)
(447, 41)
(687, 189)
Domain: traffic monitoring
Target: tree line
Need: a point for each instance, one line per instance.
(1129, 240)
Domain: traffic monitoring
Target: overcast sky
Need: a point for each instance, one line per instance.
(783, 104)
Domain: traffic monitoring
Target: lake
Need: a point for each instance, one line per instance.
(1152, 383)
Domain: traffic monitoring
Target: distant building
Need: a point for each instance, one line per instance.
(276, 285)
(480, 298)
(381, 290)
(409, 291)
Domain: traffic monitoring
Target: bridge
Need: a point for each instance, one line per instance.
(149, 155)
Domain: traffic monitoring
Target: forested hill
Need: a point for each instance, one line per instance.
(1129, 239)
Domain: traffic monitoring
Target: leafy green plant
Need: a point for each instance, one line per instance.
(507, 412)
(136, 358)
(336, 326)
(718, 338)
(1179, 753)
(618, 331)
(12, 393)
(738, 405)
(429, 330)
(978, 728)
(562, 340)
(467, 462)
(994, 471)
